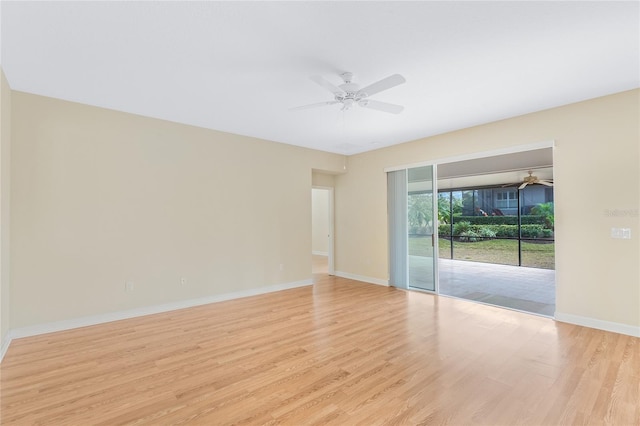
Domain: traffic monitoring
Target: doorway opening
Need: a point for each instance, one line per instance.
(322, 231)
(496, 231)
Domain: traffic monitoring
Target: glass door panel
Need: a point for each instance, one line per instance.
(421, 224)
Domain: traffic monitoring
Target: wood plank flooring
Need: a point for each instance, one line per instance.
(339, 352)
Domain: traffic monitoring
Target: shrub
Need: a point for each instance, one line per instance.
(532, 219)
(504, 231)
(486, 233)
(470, 236)
(460, 228)
(444, 230)
(471, 233)
(488, 220)
(479, 232)
(531, 231)
(501, 220)
(545, 210)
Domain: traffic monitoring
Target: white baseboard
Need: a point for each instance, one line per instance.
(320, 253)
(615, 327)
(34, 330)
(362, 278)
(5, 344)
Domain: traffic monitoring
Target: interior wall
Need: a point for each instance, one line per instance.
(597, 186)
(322, 179)
(320, 221)
(101, 198)
(5, 198)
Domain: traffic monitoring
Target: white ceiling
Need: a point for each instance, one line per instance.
(239, 66)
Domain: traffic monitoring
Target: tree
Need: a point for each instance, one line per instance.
(444, 207)
(444, 212)
(546, 210)
(419, 212)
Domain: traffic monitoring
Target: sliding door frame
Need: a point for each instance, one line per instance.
(452, 159)
(436, 237)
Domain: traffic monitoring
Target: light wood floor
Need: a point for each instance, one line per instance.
(339, 352)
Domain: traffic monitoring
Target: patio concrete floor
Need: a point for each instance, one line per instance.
(516, 287)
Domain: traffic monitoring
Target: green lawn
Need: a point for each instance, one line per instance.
(536, 255)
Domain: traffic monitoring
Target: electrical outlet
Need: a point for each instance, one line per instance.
(128, 286)
(183, 281)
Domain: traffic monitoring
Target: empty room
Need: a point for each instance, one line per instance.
(314, 213)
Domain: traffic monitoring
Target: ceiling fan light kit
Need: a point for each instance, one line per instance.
(349, 93)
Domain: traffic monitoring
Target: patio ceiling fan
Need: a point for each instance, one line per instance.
(349, 93)
(533, 180)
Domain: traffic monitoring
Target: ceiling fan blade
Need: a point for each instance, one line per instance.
(523, 185)
(384, 84)
(381, 106)
(327, 85)
(319, 104)
(545, 182)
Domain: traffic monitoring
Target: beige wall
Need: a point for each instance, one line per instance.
(5, 222)
(320, 221)
(101, 197)
(596, 168)
(323, 179)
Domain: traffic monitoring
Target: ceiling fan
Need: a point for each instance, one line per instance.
(532, 180)
(349, 93)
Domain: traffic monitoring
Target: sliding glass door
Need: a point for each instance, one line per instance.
(412, 228)
(422, 221)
